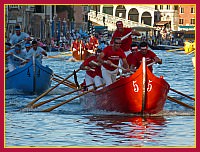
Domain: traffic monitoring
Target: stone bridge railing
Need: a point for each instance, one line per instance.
(110, 21)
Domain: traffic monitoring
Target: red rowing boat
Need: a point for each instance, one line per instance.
(142, 92)
(80, 54)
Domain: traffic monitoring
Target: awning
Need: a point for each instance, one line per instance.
(161, 23)
(140, 28)
(187, 27)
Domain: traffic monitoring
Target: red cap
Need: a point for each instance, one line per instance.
(119, 24)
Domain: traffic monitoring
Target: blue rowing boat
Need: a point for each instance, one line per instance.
(30, 78)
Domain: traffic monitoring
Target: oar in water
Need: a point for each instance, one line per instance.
(64, 102)
(172, 50)
(179, 102)
(49, 100)
(190, 52)
(182, 94)
(50, 89)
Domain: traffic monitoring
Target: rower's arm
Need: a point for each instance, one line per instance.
(100, 58)
(158, 60)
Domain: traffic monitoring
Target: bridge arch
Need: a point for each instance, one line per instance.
(133, 15)
(120, 11)
(146, 18)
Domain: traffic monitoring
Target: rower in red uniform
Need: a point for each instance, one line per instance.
(89, 48)
(75, 45)
(94, 42)
(148, 54)
(130, 57)
(126, 41)
(93, 72)
(112, 55)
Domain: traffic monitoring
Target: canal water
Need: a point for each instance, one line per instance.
(72, 125)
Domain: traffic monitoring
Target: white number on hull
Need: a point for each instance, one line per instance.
(149, 88)
(135, 86)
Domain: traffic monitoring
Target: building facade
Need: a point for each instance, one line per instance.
(187, 17)
(45, 21)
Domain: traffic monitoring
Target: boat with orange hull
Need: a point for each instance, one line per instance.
(142, 92)
(80, 54)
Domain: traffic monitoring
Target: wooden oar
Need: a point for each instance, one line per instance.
(69, 82)
(49, 100)
(179, 102)
(125, 36)
(172, 50)
(19, 57)
(182, 94)
(151, 63)
(113, 65)
(17, 44)
(50, 89)
(190, 52)
(65, 83)
(124, 68)
(64, 102)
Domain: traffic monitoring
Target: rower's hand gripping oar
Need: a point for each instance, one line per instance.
(132, 32)
(113, 65)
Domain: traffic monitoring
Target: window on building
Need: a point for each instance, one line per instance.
(182, 10)
(181, 21)
(14, 6)
(168, 18)
(156, 7)
(175, 7)
(192, 21)
(168, 7)
(85, 8)
(192, 10)
(39, 9)
(161, 7)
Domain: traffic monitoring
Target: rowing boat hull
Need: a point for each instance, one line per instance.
(31, 78)
(126, 94)
(80, 55)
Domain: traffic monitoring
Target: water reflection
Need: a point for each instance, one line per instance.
(131, 128)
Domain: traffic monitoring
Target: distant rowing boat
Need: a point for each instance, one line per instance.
(80, 54)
